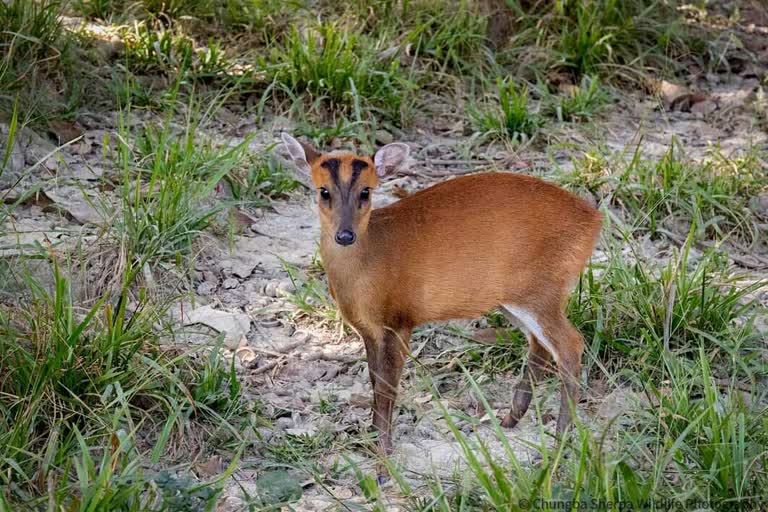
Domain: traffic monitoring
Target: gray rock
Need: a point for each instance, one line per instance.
(206, 288)
(270, 289)
(384, 137)
(284, 423)
(285, 287)
(704, 108)
(759, 204)
(241, 266)
(302, 336)
(72, 200)
(230, 283)
(37, 148)
(233, 325)
(83, 172)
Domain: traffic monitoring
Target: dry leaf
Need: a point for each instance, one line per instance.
(65, 131)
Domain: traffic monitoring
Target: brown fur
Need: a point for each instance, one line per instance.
(455, 250)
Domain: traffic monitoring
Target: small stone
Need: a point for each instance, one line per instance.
(341, 493)
(234, 325)
(285, 287)
(247, 356)
(270, 289)
(704, 108)
(760, 204)
(230, 283)
(302, 337)
(65, 131)
(284, 423)
(384, 137)
(668, 91)
(206, 288)
(319, 504)
(305, 429)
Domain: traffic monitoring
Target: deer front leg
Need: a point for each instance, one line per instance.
(390, 359)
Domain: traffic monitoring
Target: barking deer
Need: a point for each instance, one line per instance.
(453, 251)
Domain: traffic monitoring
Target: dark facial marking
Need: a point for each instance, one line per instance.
(332, 164)
(358, 165)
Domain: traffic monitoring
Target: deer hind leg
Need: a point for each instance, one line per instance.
(556, 336)
(537, 367)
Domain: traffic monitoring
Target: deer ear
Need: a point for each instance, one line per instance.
(301, 154)
(391, 158)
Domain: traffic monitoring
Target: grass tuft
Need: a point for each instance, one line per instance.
(513, 119)
(633, 312)
(340, 67)
(168, 180)
(577, 103)
(658, 195)
(75, 383)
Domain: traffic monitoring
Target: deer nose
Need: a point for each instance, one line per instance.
(345, 237)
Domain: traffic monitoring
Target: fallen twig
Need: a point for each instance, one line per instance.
(268, 366)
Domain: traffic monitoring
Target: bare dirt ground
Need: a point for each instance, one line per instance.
(310, 377)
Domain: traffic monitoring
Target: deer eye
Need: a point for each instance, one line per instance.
(325, 194)
(365, 194)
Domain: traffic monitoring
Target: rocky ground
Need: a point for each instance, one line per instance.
(305, 373)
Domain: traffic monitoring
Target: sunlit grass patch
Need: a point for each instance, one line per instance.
(658, 196)
(168, 179)
(34, 49)
(632, 311)
(510, 118)
(615, 37)
(77, 386)
(339, 66)
(577, 103)
(170, 52)
(450, 34)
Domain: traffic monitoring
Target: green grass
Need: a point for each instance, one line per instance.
(632, 311)
(615, 38)
(299, 449)
(512, 119)
(77, 386)
(33, 47)
(452, 35)
(443, 36)
(172, 53)
(168, 180)
(340, 68)
(259, 179)
(242, 14)
(658, 196)
(579, 103)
